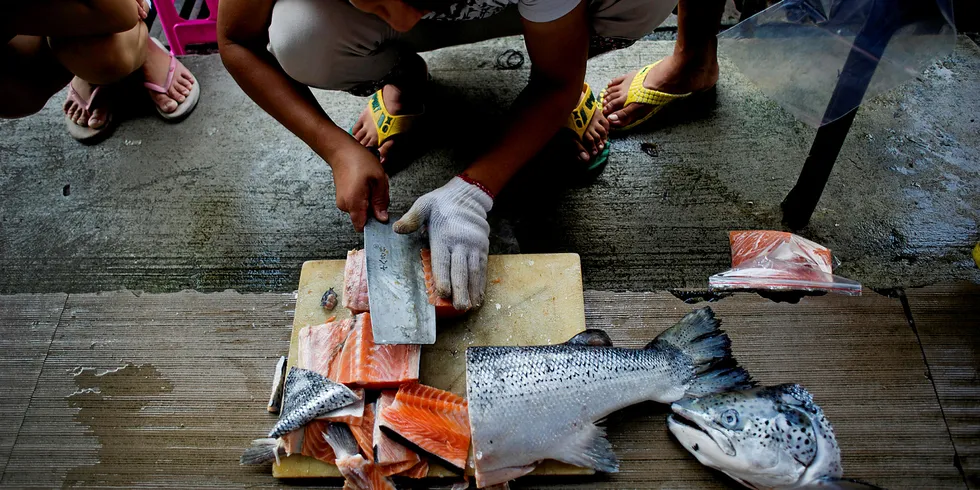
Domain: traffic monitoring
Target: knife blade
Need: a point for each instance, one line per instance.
(400, 308)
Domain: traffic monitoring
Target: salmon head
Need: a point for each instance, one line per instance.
(772, 437)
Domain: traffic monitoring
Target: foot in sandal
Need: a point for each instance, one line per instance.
(389, 112)
(172, 87)
(632, 99)
(590, 128)
(86, 110)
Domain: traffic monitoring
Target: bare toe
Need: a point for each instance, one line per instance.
(97, 119)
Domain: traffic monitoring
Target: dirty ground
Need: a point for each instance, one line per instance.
(230, 199)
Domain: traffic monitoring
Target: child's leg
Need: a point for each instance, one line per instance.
(30, 77)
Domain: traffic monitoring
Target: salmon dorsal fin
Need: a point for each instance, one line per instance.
(592, 337)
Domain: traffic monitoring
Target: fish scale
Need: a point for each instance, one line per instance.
(307, 396)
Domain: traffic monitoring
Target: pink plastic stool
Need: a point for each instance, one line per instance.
(181, 32)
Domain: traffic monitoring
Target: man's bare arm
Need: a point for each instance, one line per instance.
(558, 52)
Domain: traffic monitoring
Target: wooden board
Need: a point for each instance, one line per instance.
(948, 321)
(530, 300)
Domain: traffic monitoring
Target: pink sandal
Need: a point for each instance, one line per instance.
(183, 108)
(85, 133)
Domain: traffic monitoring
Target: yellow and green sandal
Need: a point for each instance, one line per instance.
(639, 94)
(388, 124)
(579, 121)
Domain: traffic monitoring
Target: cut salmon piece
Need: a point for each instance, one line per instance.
(292, 442)
(444, 307)
(420, 470)
(356, 288)
(363, 432)
(314, 445)
(319, 346)
(355, 282)
(387, 451)
(359, 473)
(397, 468)
(432, 419)
(363, 363)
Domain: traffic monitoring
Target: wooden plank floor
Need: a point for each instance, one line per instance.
(948, 321)
(166, 389)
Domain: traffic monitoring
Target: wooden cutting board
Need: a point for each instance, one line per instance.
(530, 300)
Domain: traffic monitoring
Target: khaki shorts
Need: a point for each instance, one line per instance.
(329, 44)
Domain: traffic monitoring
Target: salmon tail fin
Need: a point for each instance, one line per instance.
(828, 483)
(341, 440)
(701, 341)
(590, 449)
(261, 452)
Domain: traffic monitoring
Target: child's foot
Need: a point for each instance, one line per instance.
(672, 75)
(397, 103)
(594, 138)
(156, 69)
(83, 108)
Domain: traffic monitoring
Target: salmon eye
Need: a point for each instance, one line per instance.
(729, 418)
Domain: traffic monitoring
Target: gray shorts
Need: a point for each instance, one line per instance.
(329, 44)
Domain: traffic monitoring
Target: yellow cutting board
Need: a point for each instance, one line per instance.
(530, 300)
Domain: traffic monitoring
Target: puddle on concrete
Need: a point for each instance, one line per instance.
(111, 403)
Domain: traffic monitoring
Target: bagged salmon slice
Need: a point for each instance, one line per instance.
(434, 420)
(780, 261)
(356, 289)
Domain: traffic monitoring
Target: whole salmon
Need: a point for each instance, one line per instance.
(528, 404)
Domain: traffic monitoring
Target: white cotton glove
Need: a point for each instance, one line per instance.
(459, 238)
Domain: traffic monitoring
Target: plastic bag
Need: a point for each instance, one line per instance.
(797, 51)
(780, 261)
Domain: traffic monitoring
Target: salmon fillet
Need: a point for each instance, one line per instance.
(359, 473)
(314, 445)
(432, 419)
(420, 470)
(355, 282)
(388, 451)
(363, 363)
(444, 307)
(356, 289)
(319, 346)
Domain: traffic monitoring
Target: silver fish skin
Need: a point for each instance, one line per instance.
(528, 404)
(307, 396)
(275, 396)
(764, 438)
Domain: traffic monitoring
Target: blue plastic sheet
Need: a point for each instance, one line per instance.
(820, 58)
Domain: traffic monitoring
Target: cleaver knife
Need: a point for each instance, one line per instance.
(400, 308)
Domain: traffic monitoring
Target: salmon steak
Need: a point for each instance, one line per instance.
(355, 282)
(356, 287)
(359, 473)
(345, 352)
(434, 420)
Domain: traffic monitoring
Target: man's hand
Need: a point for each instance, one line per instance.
(362, 185)
(459, 238)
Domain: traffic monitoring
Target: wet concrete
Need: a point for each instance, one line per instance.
(229, 199)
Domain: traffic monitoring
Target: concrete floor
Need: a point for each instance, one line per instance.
(230, 199)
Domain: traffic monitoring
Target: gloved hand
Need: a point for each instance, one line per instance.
(459, 238)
